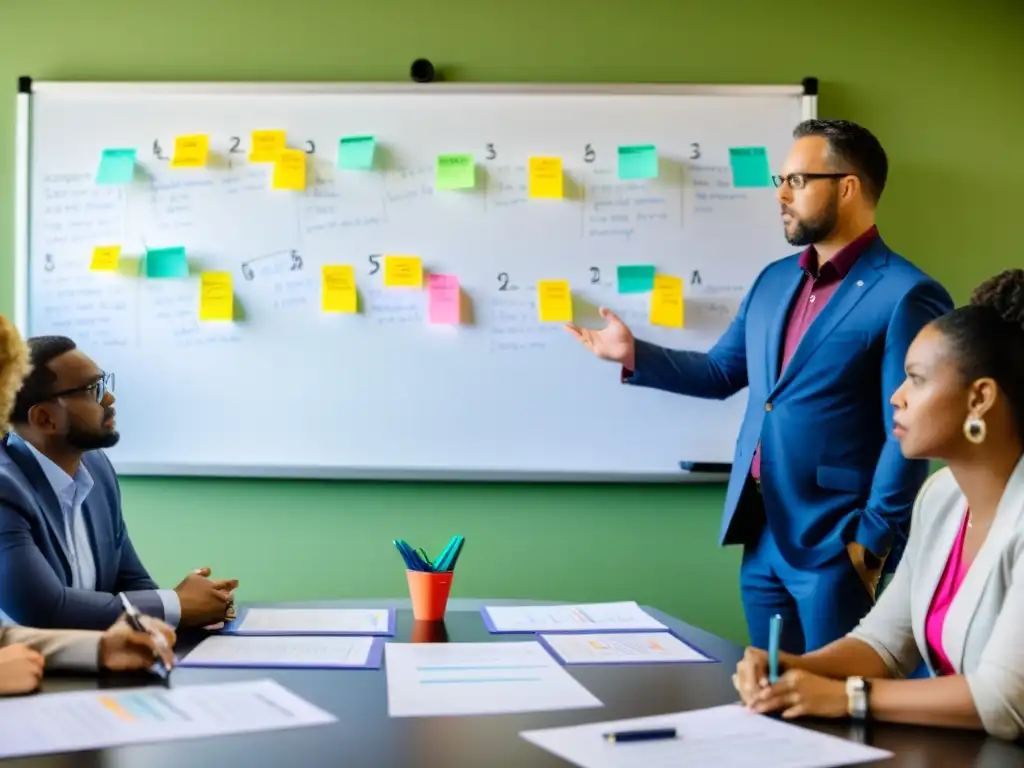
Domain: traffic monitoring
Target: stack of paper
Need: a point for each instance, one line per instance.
(591, 617)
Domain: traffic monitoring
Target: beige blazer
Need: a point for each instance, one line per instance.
(62, 649)
(983, 634)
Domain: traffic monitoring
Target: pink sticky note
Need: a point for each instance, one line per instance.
(444, 299)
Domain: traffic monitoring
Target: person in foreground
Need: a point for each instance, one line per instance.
(957, 598)
(25, 653)
(818, 498)
(65, 552)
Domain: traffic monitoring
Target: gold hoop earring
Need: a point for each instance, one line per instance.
(975, 430)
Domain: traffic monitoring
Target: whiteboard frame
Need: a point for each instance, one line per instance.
(717, 473)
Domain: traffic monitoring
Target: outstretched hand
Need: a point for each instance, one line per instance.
(614, 342)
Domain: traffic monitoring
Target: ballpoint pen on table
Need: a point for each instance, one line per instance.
(652, 734)
(134, 619)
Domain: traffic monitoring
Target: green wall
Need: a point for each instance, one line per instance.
(943, 88)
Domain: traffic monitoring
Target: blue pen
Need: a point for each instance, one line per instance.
(774, 635)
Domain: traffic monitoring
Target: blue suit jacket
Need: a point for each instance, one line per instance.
(35, 574)
(831, 471)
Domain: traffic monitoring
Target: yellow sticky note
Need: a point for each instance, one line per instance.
(554, 301)
(546, 177)
(191, 151)
(216, 296)
(403, 272)
(290, 170)
(105, 258)
(667, 301)
(339, 288)
(266, 146)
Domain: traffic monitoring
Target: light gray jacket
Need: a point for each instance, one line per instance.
(64, 649)
(983, 634)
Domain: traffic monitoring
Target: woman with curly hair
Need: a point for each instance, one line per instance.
(25, 652)
(956, 601)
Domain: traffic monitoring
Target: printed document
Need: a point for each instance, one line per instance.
(723, 737)
(621, 648)
(313, 621)
(82, 720)
(478, 679)
(591, 617)
(333, 651)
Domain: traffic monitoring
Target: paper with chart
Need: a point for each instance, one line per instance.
(478, 679)
(320, 652)
(723, 737)
(313, 621)
(589, 617)
(66, 722)
(621, 648)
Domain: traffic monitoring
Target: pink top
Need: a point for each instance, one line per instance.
(950, 582)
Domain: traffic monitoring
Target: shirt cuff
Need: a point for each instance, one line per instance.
(172, 606)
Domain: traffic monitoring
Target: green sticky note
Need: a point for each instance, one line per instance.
(636, 278)
(455, 172)
(166, 262)
(355, 153)
(117, 166)
(749, 167)
(638, 162)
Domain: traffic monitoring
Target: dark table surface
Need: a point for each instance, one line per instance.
(364, 735)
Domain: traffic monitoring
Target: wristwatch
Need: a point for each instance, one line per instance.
(857, 693)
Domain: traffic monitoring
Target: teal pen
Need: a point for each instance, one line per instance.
(774, 635)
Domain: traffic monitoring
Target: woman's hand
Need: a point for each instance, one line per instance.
(801, 694)
(21, 669)
(751, 675)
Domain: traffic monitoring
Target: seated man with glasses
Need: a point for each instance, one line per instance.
(65, 552)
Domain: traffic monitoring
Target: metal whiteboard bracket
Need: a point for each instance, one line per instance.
(810, 98)
(22, 222)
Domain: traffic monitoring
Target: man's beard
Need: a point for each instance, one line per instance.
(811, 231)
(91, 441)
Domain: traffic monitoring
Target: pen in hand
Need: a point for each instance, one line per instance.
(134, 619)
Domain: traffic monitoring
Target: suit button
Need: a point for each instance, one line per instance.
(767, 406)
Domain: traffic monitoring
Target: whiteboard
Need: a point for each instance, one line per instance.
(288, 390)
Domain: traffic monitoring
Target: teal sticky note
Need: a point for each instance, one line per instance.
(166, 262)
(636, 278)
(355, 153)
(638, 162)
(117, 166)
(749, 167)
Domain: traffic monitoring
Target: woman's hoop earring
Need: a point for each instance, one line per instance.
(974, 430)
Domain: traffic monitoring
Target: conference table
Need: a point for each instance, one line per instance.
(364, 735)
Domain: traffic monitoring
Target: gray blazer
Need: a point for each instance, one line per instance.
(983, 634)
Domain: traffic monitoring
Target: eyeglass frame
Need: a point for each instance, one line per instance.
(778, 180)
(101, 385)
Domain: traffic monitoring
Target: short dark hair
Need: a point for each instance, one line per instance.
(38, 385)
(854, 147)
(987, 337)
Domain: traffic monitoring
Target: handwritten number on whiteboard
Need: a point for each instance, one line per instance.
(503, 281)
(310, 147)
(157, 150)
(247, 272)
(491, 152)
(48, 265)
(235, 146)
(695, 151)
(595, 275)
(589, 155)
(296, 261)
(375, 260)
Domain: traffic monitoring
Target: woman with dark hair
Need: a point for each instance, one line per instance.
(25, 652)
(956, 601)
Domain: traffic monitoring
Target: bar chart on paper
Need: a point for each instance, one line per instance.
(67, 722)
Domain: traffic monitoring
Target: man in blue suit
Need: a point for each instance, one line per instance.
(65, 552)
(820, 494)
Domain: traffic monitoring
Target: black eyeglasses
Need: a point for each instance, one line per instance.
(799, 180)
(97, 389)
